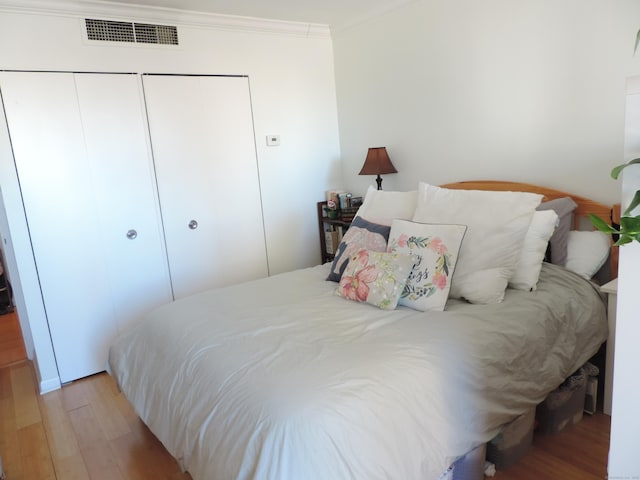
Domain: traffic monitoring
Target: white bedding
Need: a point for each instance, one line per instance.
(281, 379)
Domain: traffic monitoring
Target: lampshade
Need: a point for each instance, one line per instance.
(377, 163)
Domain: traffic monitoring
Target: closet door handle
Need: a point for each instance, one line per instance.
(132, 234)
(193, 224)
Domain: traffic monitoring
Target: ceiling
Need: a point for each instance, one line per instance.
(335, 13)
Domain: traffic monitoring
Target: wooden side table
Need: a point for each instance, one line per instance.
(325, 224)
(611, 289)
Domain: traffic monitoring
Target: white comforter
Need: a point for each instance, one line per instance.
(281, 379)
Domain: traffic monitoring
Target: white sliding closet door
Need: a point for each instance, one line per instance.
(204, 152)
(82, 154)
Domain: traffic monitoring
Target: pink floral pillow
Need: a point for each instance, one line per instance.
(437, 246)
(377, 278)
(361, 234)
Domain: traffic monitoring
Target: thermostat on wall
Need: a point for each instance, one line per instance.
(273, 140)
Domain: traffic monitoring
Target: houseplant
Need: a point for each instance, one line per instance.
(332, 209)
(629, 228)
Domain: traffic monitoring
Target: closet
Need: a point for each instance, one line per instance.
(136, 190)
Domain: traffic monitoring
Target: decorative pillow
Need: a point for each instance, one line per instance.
(437, 246)
(564, 208)
(533, 250)
(381, 206)
(376, 277)
(361, 234)
(587, 251)
(496, 225)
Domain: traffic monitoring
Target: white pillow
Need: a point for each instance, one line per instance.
(533, 250)
(587, 251)
(496, 226)
(381, 207)
(436, 248)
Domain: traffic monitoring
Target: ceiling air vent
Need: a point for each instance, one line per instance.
(112, 31)
(162, 34)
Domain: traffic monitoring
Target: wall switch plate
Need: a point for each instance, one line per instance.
(273, 140)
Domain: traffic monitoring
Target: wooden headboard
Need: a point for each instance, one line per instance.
(581, 213)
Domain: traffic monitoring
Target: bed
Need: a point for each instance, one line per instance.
(280, 378)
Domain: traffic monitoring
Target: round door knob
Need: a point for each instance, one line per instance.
(193, 224)
(131, 234)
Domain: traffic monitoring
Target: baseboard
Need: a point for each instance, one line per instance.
(49, 385)
(46, 385)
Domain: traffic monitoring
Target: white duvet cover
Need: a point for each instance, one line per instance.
(281, 379)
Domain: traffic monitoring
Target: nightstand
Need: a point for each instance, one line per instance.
(331, 231)
(611, 289)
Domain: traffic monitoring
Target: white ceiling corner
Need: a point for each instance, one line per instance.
(334, 13)
(312, 16)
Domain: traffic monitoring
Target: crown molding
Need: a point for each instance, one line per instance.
(371, 15)
(118, 11)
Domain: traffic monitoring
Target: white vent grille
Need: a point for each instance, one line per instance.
(109, 31)
(112, 31)
(163, 34)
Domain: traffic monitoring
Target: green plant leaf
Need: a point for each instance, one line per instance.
(601, 225)
(634, 203)
(616, 170)
(624, 239)
(630, 225)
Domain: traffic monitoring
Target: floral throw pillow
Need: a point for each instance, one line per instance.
(361, 234)
(377, 278)
(428, 285)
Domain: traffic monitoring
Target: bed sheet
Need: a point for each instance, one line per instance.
(280, 378)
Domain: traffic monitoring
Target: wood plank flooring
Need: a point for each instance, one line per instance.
(88, 430)
(578, 453)
(11, 343)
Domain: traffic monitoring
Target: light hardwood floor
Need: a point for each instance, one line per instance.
(11, 343)
(87, 430)
(578, 453)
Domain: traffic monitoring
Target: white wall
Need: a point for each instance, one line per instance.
(290, 69)
(624, 461)
(527, 91)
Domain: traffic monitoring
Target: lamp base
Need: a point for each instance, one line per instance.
(379, 182)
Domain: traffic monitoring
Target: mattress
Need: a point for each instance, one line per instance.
(280, 378)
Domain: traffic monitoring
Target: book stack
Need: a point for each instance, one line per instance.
(347, 204)
(335, 196)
